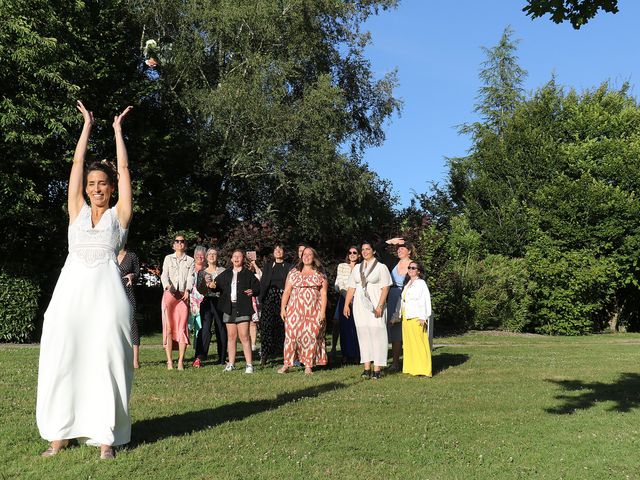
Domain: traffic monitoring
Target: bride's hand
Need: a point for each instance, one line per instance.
(86, 114)
(117, 120)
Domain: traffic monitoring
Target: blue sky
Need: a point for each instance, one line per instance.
(436, 47)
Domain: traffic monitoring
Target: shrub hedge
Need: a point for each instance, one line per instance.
(18, 308)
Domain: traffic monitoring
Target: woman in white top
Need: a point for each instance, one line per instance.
(368, 287)
(417, 327)
(346, 330)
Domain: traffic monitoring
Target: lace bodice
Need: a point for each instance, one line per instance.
(95, 246)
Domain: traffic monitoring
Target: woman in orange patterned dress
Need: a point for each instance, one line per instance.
(303, 306)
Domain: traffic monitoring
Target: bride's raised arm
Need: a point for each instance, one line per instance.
(124, 207)
(75, 191)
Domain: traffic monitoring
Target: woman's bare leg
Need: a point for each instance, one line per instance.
(136, 356)
(232, 339)
(245, 339)
(182, 348)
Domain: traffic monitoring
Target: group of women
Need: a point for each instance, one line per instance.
(380, 300)
(89, 339)
(291, 299)
(378, 307)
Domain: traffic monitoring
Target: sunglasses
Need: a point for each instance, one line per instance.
(178, 241)
(412, 268)
(353, 253)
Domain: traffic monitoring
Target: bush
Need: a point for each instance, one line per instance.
(500, 294)
(574, 289)
(18, 308)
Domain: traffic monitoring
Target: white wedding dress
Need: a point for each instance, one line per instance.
(85, 372)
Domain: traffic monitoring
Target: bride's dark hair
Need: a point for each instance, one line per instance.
(105, 166)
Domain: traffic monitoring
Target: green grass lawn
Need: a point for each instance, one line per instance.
(498, 406)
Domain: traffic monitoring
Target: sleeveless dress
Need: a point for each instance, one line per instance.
(85, 371)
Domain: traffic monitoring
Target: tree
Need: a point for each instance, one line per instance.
(284, 103)
(497, 207)
(502, 79)
(578, 12)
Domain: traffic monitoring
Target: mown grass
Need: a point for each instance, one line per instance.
(498, 407)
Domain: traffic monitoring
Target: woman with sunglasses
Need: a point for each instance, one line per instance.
(417, 326)
(347, 327)
(177, 280)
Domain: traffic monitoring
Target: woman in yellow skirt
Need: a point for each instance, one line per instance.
(417, 326)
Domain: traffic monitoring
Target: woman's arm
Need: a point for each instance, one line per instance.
(346, 311)
(164, 276)
(124, 207)
(323, 300)
(285, 298)
(136, 267)
(386, 281)
(75, 198)
(190, 280)
(201, 284)
(258, 271)
(426, 298)
(384, 291)
(254, 285)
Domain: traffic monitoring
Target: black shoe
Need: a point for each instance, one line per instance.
(366, 374)
(376, 375)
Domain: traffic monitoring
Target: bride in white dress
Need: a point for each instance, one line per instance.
(85, 372)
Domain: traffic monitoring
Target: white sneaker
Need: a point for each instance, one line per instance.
(229, 367)
(248, 368)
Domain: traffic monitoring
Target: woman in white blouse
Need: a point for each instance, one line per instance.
(346, 328)
(417, 325)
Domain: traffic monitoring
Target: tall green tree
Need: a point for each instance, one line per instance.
(284, 102)
(495, 198)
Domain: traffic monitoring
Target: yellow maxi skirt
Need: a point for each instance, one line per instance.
(416, 348)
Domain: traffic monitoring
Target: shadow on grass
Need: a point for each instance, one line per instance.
(154, 429)
(623, 393)
(443, 361)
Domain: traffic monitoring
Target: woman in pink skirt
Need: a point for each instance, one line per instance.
(177, 281)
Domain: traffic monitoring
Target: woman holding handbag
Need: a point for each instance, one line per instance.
(417, 325)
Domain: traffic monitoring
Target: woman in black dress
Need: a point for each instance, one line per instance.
(271, 326)
(129, 271)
